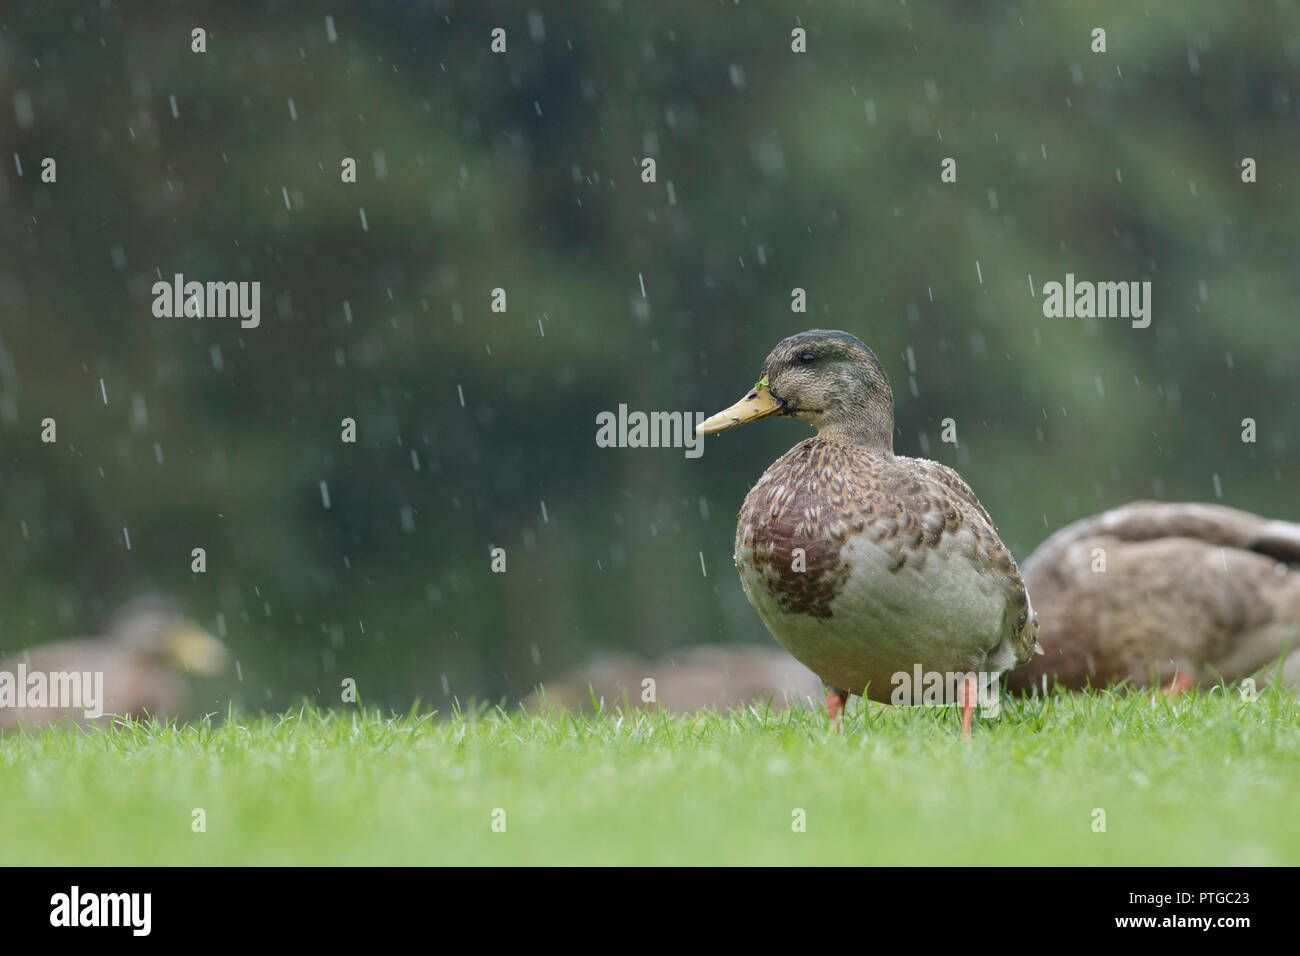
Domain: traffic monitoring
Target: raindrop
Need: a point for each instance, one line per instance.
(23, 110)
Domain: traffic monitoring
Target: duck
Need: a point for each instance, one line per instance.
(1175, 594)
(146, 644)
(687, 679)
(868, 567)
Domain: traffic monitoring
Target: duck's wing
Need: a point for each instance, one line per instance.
(87, 656)
(1151, 588)
(1215, 525)
(936, 499)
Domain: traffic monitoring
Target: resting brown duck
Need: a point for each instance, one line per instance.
(1190, 594)
(713, 677)
(146, 646)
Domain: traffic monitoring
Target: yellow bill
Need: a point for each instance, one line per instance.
(194, 649)
(759, 403)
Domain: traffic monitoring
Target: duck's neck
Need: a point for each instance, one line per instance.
(864, 433)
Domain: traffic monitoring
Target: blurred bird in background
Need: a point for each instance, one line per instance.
(690, 679)
(147, 647)
(1182, 595)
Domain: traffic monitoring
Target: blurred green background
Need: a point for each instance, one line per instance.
(521, 170)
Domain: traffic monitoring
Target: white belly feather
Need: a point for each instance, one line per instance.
(940, 610)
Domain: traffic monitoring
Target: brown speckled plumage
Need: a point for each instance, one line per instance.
(1206, 591)
(821, 492)
(901, 564)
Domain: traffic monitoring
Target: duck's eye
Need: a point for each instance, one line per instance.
(807, 358)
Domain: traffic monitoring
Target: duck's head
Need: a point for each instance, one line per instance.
(156, 627)
(830, 380)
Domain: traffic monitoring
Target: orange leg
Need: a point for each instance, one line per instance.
(1179, 684)
(836, 701)
(967, 694)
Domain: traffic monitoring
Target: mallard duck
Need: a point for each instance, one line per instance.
(687, 679)
(1177, 594)
(146, 642)
(867, 566)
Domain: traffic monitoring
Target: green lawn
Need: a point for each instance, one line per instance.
(1205, 779)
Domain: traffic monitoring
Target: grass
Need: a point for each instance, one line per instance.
(1206, 779)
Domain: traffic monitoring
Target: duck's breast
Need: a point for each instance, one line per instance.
(860, 583)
